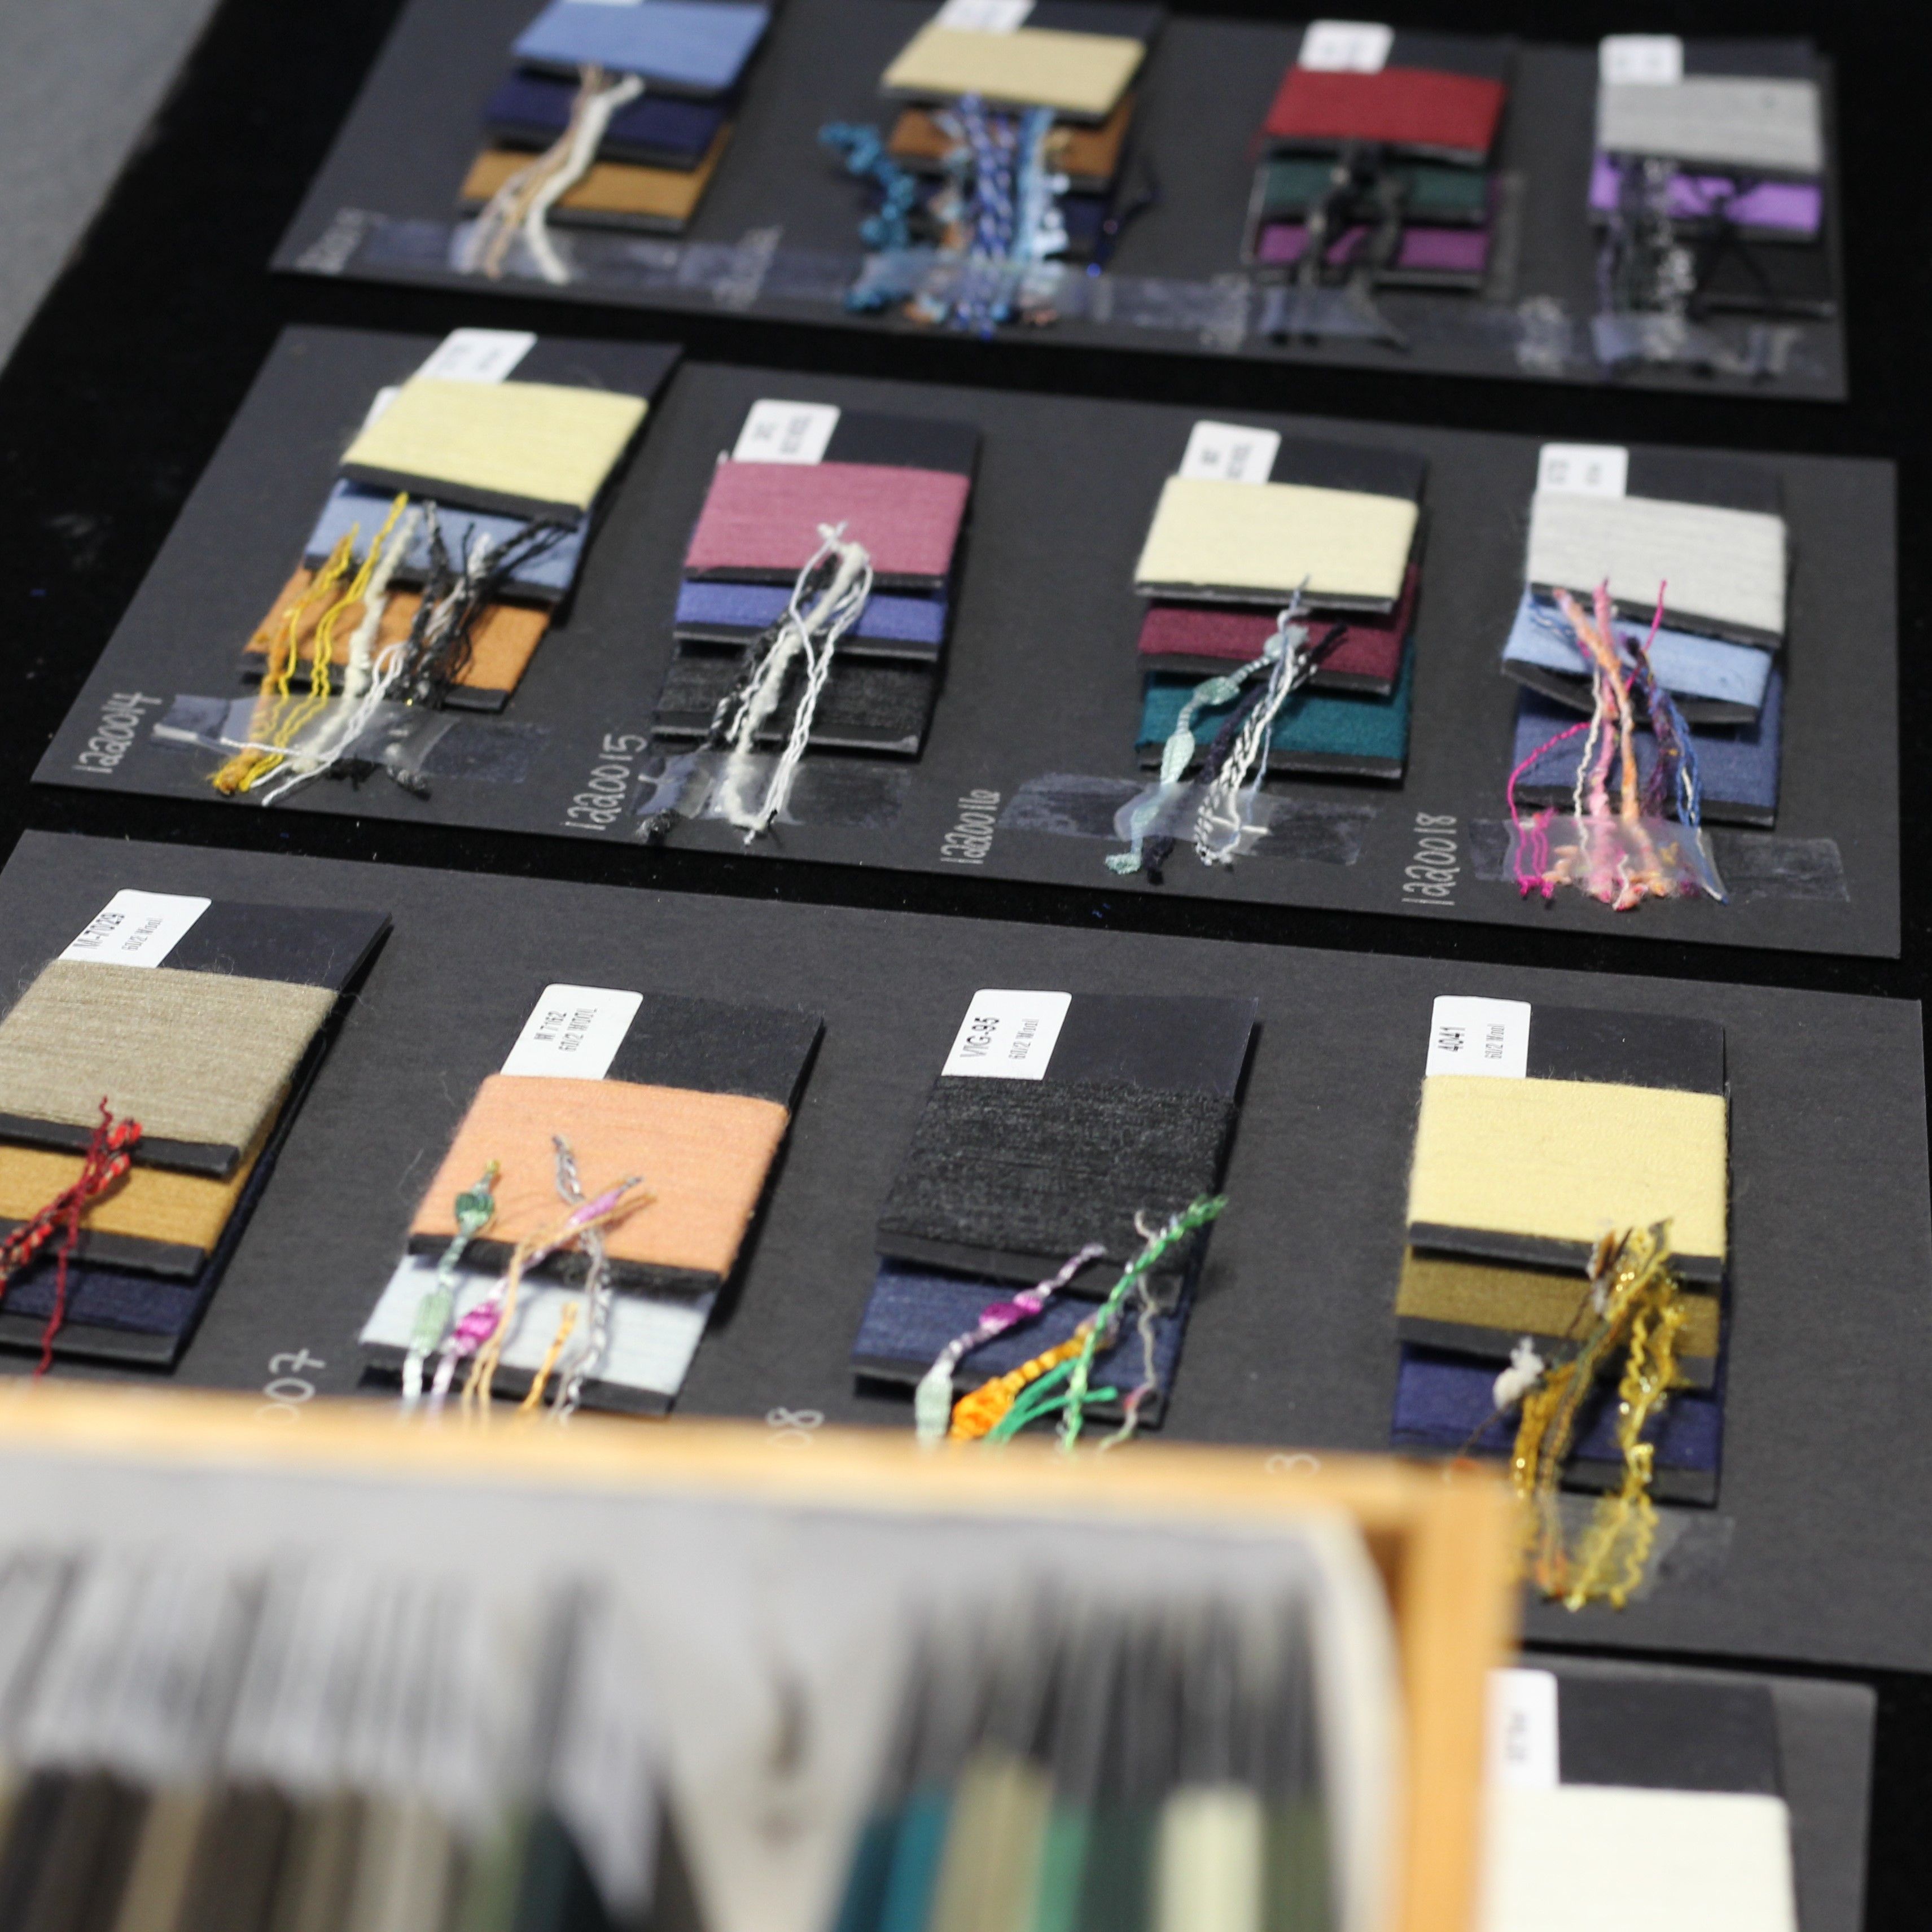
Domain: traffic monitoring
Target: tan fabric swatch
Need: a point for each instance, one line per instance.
(151, 1204)
(609, 187)
(1084, 153)
(1727, 567)
(1035, 66)
(156, 1892)
(540, 442)
(503, 641)
(1526, 1301)
(1267, 537)
(702, 1157)
(1570, 1160)
(200, 1057)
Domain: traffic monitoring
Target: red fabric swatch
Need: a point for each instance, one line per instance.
(1408, 106)
(1216, 637)
(765, 517)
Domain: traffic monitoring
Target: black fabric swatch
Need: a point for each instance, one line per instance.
(305, 946)
(719, 1046)
(1480, 57)
(1678, 1735)
(880, 705)
(1009, 1178)
(1308, 460)
(1122, 18)
(1758, 60)
(903, 443)
(1705, 476)
(1181, 1044)
(1626, 1049)
(628, 368)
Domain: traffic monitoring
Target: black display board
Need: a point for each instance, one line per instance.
(1034, 735)
(776, 236)
(1813, 1552)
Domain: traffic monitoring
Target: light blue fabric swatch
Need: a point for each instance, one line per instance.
(547, 577)
(700, 46)
(1687, 665)
(756, 607)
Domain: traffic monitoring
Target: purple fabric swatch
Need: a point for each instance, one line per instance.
(1452, 251)
(1792, 208)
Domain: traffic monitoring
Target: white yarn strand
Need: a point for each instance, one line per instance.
(1223, 812)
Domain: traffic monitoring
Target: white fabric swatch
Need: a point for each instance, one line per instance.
(1726, 120)
(1585, 1858)
(1724, 569)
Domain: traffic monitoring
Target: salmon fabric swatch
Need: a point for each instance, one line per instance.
(1034, 67)
(609, 187)
(1570, 1160)
(1407, 106)
(765, 517)
(200, 1057)
(536, 443)
(187, 1210)
(1525, 1301)
(703, 1159)
(503, 641)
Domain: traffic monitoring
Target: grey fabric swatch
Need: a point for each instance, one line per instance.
(1723, 119)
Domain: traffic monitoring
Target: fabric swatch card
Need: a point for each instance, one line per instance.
(1077, 57)
(691, 46)
(692, 1098)
(1764, 125)
(915, 1312)
(1057, 1120)
(1439, 95)
(654, 199)
(1543, 1128)
(912, 629)
(884, 707)
(1737, 765)
(1687, 1733)
(531, 110)
(1253, 514)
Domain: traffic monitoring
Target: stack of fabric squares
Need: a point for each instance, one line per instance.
(1062, 1128)
(1070, 65)
(674, 1111)
(1378, 151)
(1543, 1130)
(1707, 531)
(1720, 145)
(1255, 519)
(899, 486)
(202, 1021)
(481, 485)
(644, 90)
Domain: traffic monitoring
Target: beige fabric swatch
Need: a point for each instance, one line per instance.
(1570, 1160)
(539, 442)
(1722, 120)
(200, 1057)
(1034, 67)
(1266, 537)
(1724, 567)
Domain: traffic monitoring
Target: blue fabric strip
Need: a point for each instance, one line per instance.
(1686, 666)
(549, 576)
(702, 45)
(756, 607)
(1441, 1400)
(657, 124)
(1737, 763)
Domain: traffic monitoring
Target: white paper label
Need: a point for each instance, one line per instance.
(1007, 1036)
(479, 355)
(137, 928)
(573, 1033)
(1640, 60)
(1485, 1036)
(786, 432)
(1345, 47)
(984, 16)
(1582, 469)
(1230, 452)
(1523, 1743)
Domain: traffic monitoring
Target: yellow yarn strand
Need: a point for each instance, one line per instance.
(566, 1324)
(978, 1413)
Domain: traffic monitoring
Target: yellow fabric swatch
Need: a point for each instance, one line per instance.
(151, 1203)
(1570, 1160)
(1525, 1301)
(1267, 537)
(1033, 66)
(537, 442)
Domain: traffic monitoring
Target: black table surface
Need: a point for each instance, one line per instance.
(127, 378)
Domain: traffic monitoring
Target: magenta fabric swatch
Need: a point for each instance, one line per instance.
(1452, 251)
(764, 517)
(1794, 207)
(1217, 635)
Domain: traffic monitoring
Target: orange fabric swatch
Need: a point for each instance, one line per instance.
(1086, 153)
(503, 641)
(702, 1158)
(610, 188)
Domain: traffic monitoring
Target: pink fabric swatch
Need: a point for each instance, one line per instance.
(765, 517)
(1219, 637)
